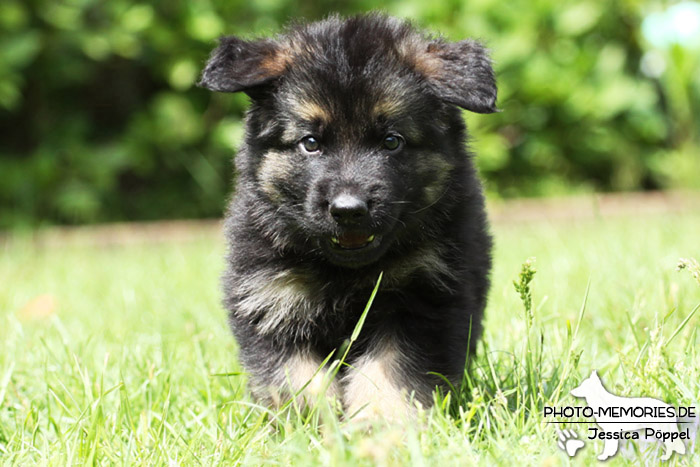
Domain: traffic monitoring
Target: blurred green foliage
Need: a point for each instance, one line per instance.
(100, 119)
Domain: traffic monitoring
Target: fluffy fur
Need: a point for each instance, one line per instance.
(354, 163)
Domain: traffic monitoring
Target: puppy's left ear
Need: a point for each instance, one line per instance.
(461, 74)
(240, 65)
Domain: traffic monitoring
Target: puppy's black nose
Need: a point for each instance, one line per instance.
(347, 209)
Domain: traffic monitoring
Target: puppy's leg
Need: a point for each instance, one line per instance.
(278, 375)
(371, 388)
(302, 377)
(403, 354)
(383, 383)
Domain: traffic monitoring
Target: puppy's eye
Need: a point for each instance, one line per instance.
(392, 142)
(310, 144)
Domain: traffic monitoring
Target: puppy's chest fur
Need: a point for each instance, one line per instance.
(303, 301)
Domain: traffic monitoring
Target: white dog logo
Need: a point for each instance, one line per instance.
(613, 425)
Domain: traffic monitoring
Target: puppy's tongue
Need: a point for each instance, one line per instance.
(351, 241)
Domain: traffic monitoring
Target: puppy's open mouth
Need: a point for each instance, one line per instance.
(354, 249)
(351, 241)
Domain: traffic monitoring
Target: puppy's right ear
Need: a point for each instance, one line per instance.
(238, 65)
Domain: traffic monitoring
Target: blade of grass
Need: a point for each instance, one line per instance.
(363, 317)
(682, 325)
(569, 351)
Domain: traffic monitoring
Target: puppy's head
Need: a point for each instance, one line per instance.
(353, 134)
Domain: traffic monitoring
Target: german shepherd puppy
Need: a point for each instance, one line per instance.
(354, 163)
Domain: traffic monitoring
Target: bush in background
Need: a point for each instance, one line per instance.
(100, 119)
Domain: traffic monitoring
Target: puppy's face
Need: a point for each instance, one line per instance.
(347, 161)
(351, 135)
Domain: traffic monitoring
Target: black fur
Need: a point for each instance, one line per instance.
(298, 275)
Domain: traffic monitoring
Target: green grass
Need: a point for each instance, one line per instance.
(128, 358)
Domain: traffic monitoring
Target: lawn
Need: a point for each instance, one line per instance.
(120, 354)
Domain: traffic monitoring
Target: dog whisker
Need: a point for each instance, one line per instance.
(396, 219)
(442, 195)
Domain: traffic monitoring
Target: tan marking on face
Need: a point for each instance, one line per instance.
(370, 392)
(435, 189)
(290, 133)
(281, 299)
(305, 109)
(394, 105)
(439, 169)
(389, 106)
(310, 111)
(302, 377)
(392, 108)
(275, 166)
